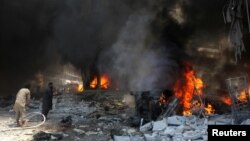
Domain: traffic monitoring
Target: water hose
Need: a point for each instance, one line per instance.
(29, 115)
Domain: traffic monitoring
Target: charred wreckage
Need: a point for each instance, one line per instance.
(139, 88)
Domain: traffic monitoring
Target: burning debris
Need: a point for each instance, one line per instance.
(104, 82)
(118, 69)
(239, 93)
(108, 116)
(189, 88)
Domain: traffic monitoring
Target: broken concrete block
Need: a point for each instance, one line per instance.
(65, 135)
(221, 123)
(169, 131)
(180, 129)
(192, 135)
(159, 125)
(246, 122)
(137, 138)
(152, 137)
(79, 131)
(146, 127)
(84, 126)
(204, 131)
(178, 135)
(175, 120)
(131, 131)
(220, 120)
(100, 133)
(91, 133)
(165, 138)
(121, 138)
(205, 137)
(177, 139)
(211, 122)
(192, 121)
(77, 139)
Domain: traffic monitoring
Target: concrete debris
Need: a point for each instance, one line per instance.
(77, 139)
(159, 125)
(179, 128)
(152, 137)
(193, 135)
(79, 131)
(91, 133)
(95, 123)
(176, 120)
(146, 127)
(121, 138)
(130, 131)
(137, 138)
(246, 122)
(84, 126)
(128, 138)
(109, 119)
(170, 131)
(205, 137)
(220, 120)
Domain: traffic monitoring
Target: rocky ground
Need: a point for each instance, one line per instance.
(95, 117)
(102, 116)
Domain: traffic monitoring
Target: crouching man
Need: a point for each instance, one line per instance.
(22, 100)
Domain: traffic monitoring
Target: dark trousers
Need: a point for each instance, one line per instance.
(45, 112)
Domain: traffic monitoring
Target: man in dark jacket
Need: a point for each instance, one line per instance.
(47, 99)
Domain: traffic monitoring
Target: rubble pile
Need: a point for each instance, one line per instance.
(106, 117)
(90, 119)
(178, 128)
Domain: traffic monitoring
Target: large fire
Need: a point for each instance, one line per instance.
(188, 86)
(105, 82)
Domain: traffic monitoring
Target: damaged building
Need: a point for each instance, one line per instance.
(124, 70)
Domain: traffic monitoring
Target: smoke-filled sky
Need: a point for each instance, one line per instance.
(139, 43)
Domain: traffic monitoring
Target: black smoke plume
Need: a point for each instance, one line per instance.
(140, 44)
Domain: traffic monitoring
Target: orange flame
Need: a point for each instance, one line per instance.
(186, 87)
(209, 109)
(242, 97)
(162, 100)
(105, 82)
(80, 88)
(227, 100)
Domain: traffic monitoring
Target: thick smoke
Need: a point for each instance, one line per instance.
(25, 28)
(34, 32)
(208, 46)
(98, 33)
(139, 43)
(86, 27)
(135, 61)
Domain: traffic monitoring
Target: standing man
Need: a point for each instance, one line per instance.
(47, 99)
(22, 100)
